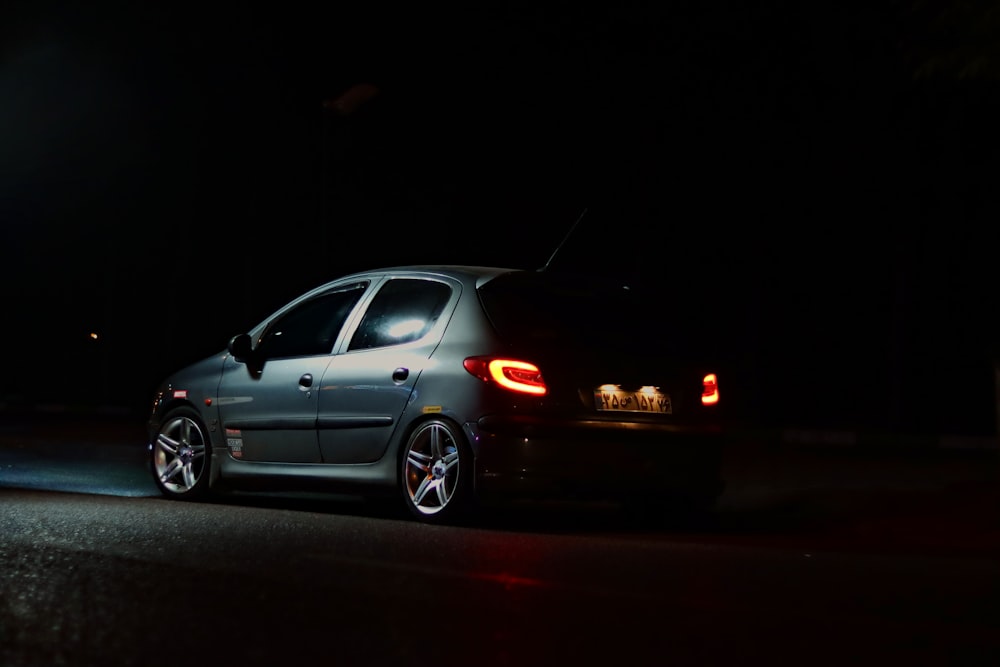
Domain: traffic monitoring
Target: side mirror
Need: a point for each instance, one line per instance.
(241, 347)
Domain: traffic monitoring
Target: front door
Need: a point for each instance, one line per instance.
(271, 416)
(268, 403)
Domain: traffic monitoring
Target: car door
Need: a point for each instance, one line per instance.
(268, 404)
(366, 388)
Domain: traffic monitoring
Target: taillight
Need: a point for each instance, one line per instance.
(508, 373)
(709, 390)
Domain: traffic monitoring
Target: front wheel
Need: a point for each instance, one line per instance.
(437, 473)
(181, 456)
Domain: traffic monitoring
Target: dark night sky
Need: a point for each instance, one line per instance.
(822, 180)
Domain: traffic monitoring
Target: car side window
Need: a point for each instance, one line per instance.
(404, 310)
(311, 328)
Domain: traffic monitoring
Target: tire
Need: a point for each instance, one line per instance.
(181, 456)
(437, 470)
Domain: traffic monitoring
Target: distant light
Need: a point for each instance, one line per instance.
(93, 336)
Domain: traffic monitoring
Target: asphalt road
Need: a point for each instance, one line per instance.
(818, 556)
(898, 496)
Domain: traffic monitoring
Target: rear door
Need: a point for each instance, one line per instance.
(365, 390)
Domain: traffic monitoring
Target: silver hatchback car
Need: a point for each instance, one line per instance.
(452, 387)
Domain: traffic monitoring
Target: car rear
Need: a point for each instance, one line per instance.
(608, 397)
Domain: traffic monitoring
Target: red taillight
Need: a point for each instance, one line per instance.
(508, 373)
(709, 390)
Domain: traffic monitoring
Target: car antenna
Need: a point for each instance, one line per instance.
(565, 238)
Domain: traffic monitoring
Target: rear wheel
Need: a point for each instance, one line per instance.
(437, 473)
(181, 456)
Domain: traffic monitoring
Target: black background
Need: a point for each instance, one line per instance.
(816, 183)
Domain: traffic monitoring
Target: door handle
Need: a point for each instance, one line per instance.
(306, 380)
(400, 375)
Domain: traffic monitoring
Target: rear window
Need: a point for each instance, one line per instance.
(551, 307)
(404, 310)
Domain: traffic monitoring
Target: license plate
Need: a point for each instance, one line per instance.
(618, 400)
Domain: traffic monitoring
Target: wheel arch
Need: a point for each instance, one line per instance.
(209, 419)
(416, 423)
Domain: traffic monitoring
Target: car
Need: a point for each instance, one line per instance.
(451, 389)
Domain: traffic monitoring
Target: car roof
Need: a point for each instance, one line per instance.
(479, 274)
(449, 268)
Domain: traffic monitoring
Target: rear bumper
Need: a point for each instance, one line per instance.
(595, 460)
